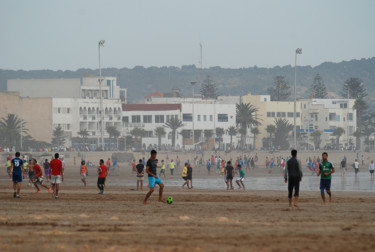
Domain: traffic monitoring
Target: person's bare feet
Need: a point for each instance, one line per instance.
(145, 202)
(161, 200)
(330, 199)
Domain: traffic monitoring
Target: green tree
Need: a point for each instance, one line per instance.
(357, 134)
(246, 116)
(173, 123)
(255, 132)
(337, 133)
(113, 133)
(160, 132)
(138, 133)
(83, 133)
(232, 131)
(319, 89)
(283, 127)
(281, 90)
(58, 138)
(208, 89)
(271, 129)
(316, 138)
(10, 131)
(353, 89)
(219, 134)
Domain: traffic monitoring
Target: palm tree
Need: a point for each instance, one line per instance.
(316, 138)
(337, 133)
(357, 134)
(255, 132)
(246, 115)
(160, 132)
(174, 123)
(83, 133)
(10, 128)
(283, 127)
(232, 131)
(138, 133)
(271, 129)
(219, 134)
(113, 132)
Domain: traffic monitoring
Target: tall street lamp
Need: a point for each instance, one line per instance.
(192, 115)
(100, 44)
(298, 51)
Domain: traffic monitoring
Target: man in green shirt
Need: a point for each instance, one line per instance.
(240, 180)
(325, 170)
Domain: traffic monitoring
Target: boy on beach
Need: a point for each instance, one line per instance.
(325, 170)
(229, 175)
(39, 177)
(17, 171)
(103, 172)
(153, 178)
(293, 175)
(241, 179)
(140, 168)
(56, 176)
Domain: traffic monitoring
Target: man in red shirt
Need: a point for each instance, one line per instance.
(38, 177)
(56, 175)
(103, 171)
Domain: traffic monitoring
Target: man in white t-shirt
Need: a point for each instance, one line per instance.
(356, 166)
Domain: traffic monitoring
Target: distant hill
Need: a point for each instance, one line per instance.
(141, 81)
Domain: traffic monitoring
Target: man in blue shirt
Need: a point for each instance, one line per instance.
(208, 165)
(17, 172)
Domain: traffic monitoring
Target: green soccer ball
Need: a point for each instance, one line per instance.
(169, 200)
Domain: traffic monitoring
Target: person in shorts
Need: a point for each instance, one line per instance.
(83, 172)
(241, 178)
(8, 164)
(162, 169)
(185, 175)
(17, 171)
(371, 168)
(56, 175)
(38, 177)
(325, 170)
(153, 178)
(46, 169)
(140, 169)
(102, 174)
(228, 173)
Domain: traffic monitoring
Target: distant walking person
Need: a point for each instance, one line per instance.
(103, 172)
(17, 171)
(140, 168)
(356, 166)
(56, 175)
(371, 168)
(293, 175)
(325, 170)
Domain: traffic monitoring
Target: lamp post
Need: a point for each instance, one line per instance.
(100, 44)
(192, 115)
(298, 51)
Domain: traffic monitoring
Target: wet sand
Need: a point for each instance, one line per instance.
(198, 220)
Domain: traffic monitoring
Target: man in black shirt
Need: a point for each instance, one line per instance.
(153, 178)
(140, 169)
(293, 174)
(229, 175)
(190, 175)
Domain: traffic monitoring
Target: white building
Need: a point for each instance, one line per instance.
(326, 115)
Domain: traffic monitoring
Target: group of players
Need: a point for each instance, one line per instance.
(293, 175)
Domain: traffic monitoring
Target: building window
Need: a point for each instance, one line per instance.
(159, 118)
(68, 110)
(125, 119)
(332, 116)
(268, 114)
(187, 117)
(199, 118)
(304, 106)
(59, 110)
(343, 105)
(278, 114)
(147, 119)
(316, 117)
(136, 119)
(68, 126)
(110, 118)
(298, 114)
(337, 118)
(222, 117)
(265, 99)
(211, 118)
(350, 116)
(148, 133)
(283, 114)
(290, 114)
(272, 114)
(204, 118)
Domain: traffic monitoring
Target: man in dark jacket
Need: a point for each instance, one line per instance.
(293, 174)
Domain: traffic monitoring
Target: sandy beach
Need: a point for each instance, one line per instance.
(198, 220)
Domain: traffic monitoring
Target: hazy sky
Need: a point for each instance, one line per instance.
(64, 35)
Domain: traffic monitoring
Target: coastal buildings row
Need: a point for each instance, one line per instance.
(73, 104)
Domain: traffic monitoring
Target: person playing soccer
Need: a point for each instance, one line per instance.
(56, 175)
(46, 169)
(241, 179)
(228, 173)
(83, 172)
(293, 175)
(8, 164)
(153, 177)
(38, 177)
(162, 170)
(102, 174)
(185, 175)
(325, 170)
(17, 171)
(171, 167)
(140, 169)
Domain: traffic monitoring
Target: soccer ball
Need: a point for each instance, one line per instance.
(169, 200)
